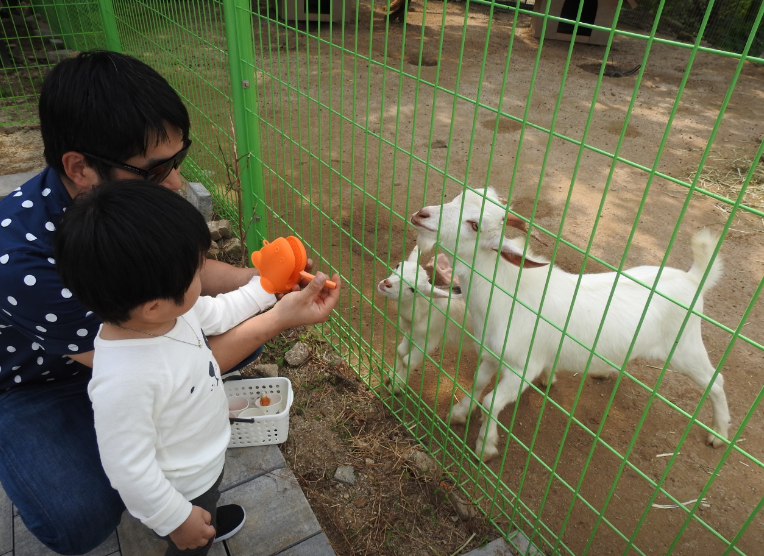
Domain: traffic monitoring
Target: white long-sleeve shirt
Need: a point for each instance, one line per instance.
(161, 414)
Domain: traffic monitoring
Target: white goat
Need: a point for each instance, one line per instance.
(478, 223)
(422, 328)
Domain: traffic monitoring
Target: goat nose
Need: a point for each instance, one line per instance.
(386, 284)
(422, 213)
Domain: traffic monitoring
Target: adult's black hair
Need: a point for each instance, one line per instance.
(124, 243)
(109, 105)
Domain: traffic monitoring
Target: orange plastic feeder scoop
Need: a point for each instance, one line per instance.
(281, 263)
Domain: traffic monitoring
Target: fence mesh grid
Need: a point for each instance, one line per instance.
(616, 151)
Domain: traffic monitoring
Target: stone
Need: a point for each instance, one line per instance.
(232, 248)
(422, 462)
(345, 474)
(518, 540)
(464, 509)
(219, 229)
(213, 251)
(499, 547)
(197, 195)
(297, 355)
(55, 56)
(333, 359)
(266, 369)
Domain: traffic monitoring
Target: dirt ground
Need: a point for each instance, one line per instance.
(358, 183)
(399, 503)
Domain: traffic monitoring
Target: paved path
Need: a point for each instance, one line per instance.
(280, 521)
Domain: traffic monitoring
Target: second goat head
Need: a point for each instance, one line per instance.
(426, 311)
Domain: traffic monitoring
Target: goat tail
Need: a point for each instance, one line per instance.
(703, 245)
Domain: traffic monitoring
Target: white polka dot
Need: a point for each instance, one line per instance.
(35, 346)
(51, 260)
(88, 313)
(75, 372)
(39, 360)
(4, 259)
(41, 338)
(11, 349)
(31, 237)
(30, 280)
(46, 192)
(50, 379)
(18, 193)
(73, 347)
(7, 313)
(70, 361)
(5, 223)
(50, 226)
(41, 329)
(17, 379)
(50, 317)
(12, 300)
(82, 333)
(65, 293)
(27, 204)
(46, 373)
(15, 368)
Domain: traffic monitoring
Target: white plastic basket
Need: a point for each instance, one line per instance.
(266, 429)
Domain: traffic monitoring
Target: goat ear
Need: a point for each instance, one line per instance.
(514, 255)
(433, 291)
(414, 255)
(442, 271)
(437, 292)
(519, 223)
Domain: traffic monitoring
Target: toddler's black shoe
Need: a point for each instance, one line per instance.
(230, 520)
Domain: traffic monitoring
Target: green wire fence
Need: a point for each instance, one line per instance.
(607, 128)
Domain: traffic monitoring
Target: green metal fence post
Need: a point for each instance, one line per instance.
(241, 62)
(110, 25)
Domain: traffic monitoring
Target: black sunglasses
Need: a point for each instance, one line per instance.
(156, 173)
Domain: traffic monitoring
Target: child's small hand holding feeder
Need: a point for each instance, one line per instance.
(281, 263)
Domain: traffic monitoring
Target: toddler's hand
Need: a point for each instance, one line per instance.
(311, 305)
(196, 531)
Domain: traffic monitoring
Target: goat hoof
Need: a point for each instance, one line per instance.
(714, 441)
(488, 453)
(457, 419)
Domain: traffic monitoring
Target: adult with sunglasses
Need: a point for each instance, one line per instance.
(103, 116)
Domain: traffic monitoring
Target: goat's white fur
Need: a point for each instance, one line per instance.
(490, 309)
(423, 328)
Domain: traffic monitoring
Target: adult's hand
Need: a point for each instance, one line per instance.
(196, 531)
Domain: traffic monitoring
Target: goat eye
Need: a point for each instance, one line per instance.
(473, 225)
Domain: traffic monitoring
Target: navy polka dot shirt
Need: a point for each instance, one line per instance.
(40, 321)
